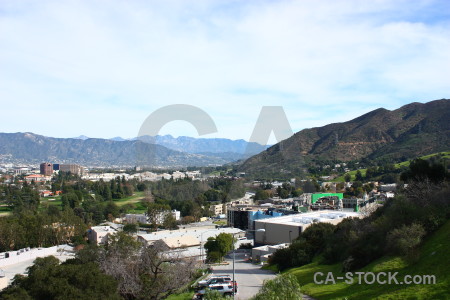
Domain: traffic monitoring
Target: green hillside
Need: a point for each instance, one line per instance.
(405, 164)
(434, 260)
(381, 135)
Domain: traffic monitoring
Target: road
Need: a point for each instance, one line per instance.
(249, 277)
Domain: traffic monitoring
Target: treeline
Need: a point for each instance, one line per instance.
(44, 228)
(121, 269)
(397, 228)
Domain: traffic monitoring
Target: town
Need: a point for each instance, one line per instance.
(261, 217)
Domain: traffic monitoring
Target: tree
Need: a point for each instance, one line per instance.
(261, 195)
(142, 272)
(403, 240)
(156, 211)
(220, 244)
(347, 177)
(130, 228)
(283, 286)
(47, 279)
(358, 176)
(169, 221)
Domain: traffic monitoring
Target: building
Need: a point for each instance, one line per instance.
(46, 169)
(159, 218)
(99, 234)
(218, 209)
(262, 253)
(186, 237)
(136, 218)
(74, 169)
(285, 229)
(244, 218)
(37, 178)
(352, 202)
(327, 203)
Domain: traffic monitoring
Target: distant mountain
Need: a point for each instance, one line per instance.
(33, 148)
(206, 145)
(410, 131)
(118, 139)
(81, 137)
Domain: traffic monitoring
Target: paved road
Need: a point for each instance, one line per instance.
(249, 277)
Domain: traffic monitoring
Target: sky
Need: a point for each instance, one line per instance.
(100, 68)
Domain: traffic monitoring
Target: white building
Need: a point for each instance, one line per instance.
(99, 234)
(262, 253)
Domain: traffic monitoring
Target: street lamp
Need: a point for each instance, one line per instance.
(234, 258)
(290, 240)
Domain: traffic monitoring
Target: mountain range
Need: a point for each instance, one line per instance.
(162, 151)
(381, 135)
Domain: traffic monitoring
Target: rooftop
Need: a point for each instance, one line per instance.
(307, 218)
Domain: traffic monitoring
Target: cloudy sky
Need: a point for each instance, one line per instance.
(100, 68)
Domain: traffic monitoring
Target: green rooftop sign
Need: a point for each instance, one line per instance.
(315, 197)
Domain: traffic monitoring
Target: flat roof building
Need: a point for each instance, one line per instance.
(285, 229)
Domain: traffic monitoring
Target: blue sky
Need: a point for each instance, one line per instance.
(99, 68)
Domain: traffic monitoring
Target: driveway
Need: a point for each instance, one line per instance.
(248, 276)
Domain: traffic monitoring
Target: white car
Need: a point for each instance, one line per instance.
(224, 289)
(213, 280)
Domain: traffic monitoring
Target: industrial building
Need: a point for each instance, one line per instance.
(74, 169)
(244, 217)
(285, 229)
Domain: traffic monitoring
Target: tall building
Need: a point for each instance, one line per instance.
(74, 169)
(46, 169)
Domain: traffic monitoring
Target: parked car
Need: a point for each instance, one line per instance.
(214, 279)
(224, 289)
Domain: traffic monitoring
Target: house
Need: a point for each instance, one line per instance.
(46, 193)
(37, 178)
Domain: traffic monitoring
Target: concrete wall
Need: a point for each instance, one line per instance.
(276, 233)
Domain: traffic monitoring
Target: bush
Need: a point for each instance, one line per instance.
(403, 240)
(283, 286)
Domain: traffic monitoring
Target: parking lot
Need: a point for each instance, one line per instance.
(248, 276)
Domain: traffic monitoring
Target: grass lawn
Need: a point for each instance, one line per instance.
(352, 174)
(221, 222)
(136, 197)
(434, 260)
(183, 296)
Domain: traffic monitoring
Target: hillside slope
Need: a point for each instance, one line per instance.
(413, 130)
(434, 260)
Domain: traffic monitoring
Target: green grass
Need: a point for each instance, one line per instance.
(434, 260)
(445, 155)
(135, 198)
(404, 164)
(5, 209)
(221, 222)
(273, 268)
(183, 296)
(352, 174)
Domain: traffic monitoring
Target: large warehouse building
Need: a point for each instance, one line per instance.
(285, 229)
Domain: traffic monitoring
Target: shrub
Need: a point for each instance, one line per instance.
(403, 240)
(283, 286)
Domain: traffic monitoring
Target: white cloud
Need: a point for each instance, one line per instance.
(112, 64)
